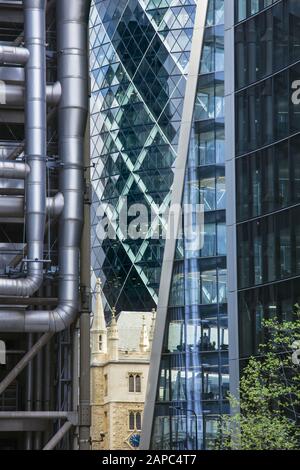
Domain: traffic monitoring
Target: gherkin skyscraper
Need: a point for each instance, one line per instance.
(140, 53)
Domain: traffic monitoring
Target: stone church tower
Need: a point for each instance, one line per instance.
(120, 356)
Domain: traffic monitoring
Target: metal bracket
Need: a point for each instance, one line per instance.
(26, 260)
(88, 193)
(86, 299)
(84, 415)
(73, 418)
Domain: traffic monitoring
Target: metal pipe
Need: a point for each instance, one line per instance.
(55, 205)
(53, 93)
(75, 378)
(13, 206)
(13, 170)
(38, 394)
(29, 301)
(85, 281)
(14, 153)
(13, 55)
(29, 380)
(24, 361)
(72, 40)
(58, 436)
(48, 371)
(34, 415)
(14, 95)
(35, 150)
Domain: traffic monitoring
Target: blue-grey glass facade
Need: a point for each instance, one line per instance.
(267, 166)
(139, 60)
(194, 376)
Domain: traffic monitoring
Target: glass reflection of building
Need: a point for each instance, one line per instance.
(193, 374)
(139, 59)
(266, 166)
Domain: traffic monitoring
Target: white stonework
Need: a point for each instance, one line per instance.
(120, 355)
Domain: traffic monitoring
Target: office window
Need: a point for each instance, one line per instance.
(206, 147)
(208, 280)
(175, 336)
(266, 112)
(208, 193)
(210, 240)
(282, 93)
(221, 193)
(222, 286)
(294, 23)
(268, 42)
(268, 249)
(210, 385)
(268, 180)
(264, 303)
(221, 239)
(177, 287)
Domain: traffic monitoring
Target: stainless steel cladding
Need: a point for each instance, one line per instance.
(44, 149)
(13, 55)
(70, 93)
(35, 149)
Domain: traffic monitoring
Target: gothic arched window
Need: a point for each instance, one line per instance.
(131, 421)
(131, 383)
(138, 384)
(138, 421)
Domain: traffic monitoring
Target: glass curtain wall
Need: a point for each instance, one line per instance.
(194, 376)
(267, 56)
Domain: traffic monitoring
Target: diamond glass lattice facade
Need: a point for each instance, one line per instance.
(139, 60)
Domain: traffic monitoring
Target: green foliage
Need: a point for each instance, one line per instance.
(267, 416)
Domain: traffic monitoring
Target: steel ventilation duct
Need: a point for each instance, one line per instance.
(72, 41)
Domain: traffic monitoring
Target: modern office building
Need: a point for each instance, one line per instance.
(44, 397)
(189, 375)
(140, 53)
(160, 86)
(263, 166)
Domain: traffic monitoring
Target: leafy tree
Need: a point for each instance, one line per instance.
(267, 411)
